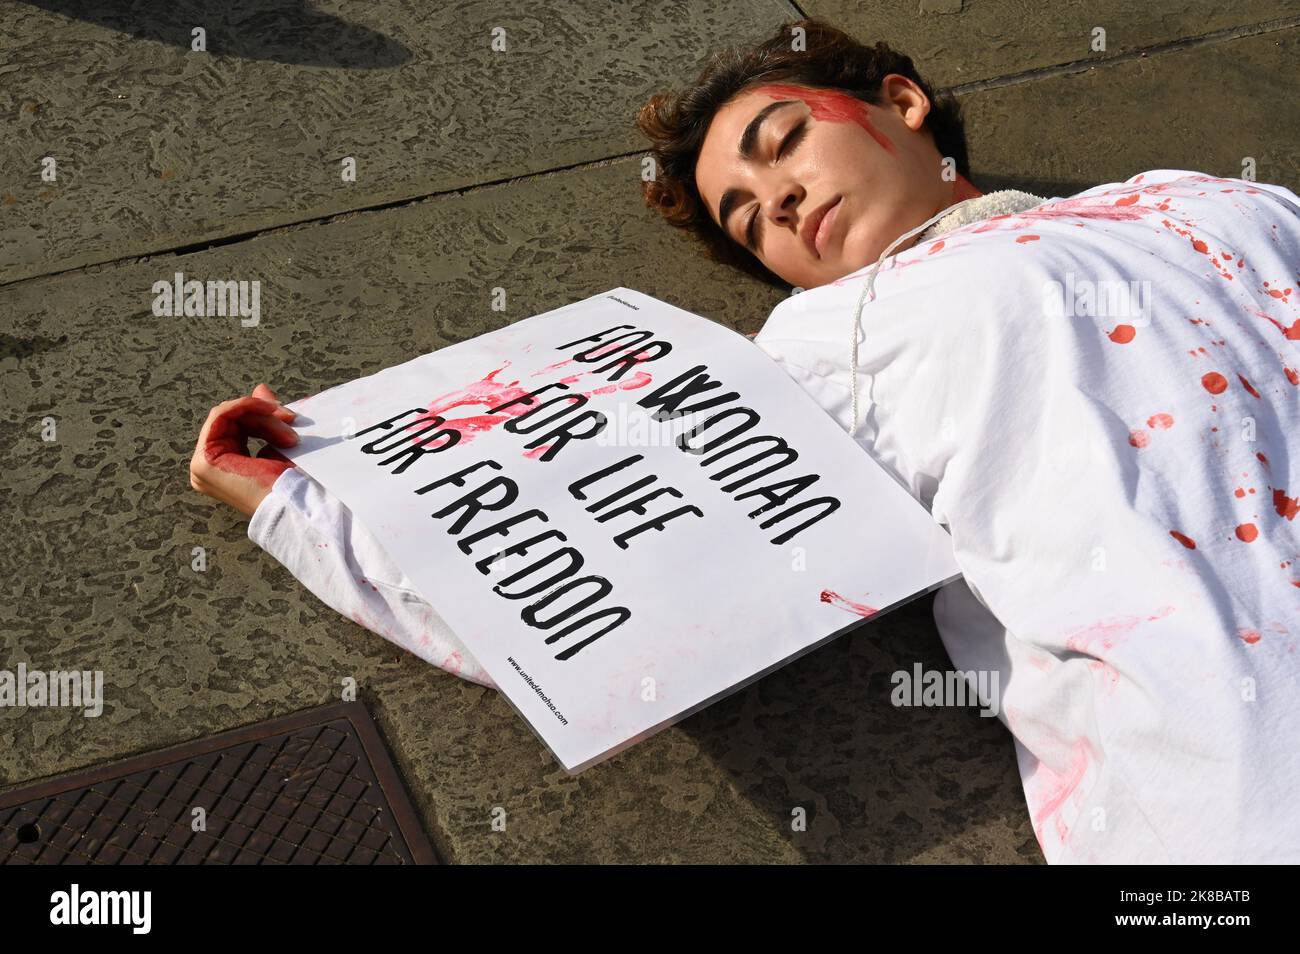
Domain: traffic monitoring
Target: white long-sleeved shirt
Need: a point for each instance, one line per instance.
(314, 537)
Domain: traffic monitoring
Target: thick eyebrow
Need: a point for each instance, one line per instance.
(748, 145)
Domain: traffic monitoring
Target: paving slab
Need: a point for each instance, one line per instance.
(96, 568)
(158, 146)
(954, 42)
(1207, 109)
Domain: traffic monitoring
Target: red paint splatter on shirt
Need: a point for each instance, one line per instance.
(1183, 539)
(1027, 238)
(1285, 506)
(1214, 382)
(1122, 334)
(1249, 636)
(1139, 438)
(1160, 421)
(1248, 386)
(1247, 532)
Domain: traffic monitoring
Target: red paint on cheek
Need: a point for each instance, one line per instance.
(859, 609)
(1122, 334)
(1247, 385)
(1214, 382)
(1285, 506)
(1183, 539)
(831, 106)
(1160, 421)
(1247, 532)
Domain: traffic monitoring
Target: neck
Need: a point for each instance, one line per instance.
(962, 189)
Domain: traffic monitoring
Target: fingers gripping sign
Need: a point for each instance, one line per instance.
(223, 468)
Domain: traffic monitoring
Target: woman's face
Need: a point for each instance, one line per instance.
(816, 182)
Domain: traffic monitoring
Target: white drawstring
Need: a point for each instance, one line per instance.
(870, 288)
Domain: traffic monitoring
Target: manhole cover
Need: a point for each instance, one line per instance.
(315, 787)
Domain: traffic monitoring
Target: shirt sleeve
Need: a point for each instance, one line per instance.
(313, 535)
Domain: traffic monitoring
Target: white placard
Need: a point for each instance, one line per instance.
(623, 510)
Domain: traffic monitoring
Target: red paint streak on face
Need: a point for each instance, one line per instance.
(1247, 532)
(1214, 382)
(1249, 636)
(1122, 334)
(1248, 386)
(1027, 238)
(1285, 506)
(1127, 200)
(1183, 539)
(859, 609)
(830, 106)
(935, 247)
(1160, 421)
(1292, 375)
(1139, 438)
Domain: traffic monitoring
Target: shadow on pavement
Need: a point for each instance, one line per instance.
(284, 31)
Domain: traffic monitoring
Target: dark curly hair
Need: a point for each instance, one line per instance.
(676, 123)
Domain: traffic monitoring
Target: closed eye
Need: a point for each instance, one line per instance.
(787, 145)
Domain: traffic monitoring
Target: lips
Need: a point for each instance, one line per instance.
(818, 227)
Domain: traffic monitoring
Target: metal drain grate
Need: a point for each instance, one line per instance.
(315, 787)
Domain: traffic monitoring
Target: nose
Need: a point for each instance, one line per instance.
(782, 200)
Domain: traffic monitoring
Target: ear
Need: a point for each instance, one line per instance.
(906, 98)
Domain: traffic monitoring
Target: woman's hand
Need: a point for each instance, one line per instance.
(222, 467)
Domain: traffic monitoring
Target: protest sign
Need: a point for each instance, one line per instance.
(623, 510)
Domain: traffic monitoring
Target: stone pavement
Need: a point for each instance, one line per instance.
(478, 169)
